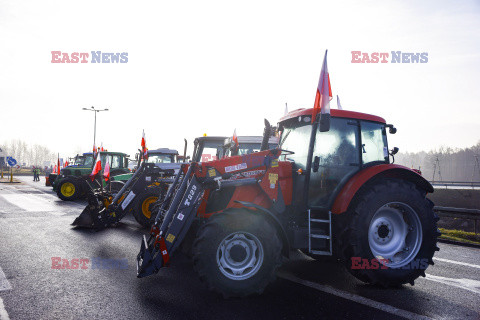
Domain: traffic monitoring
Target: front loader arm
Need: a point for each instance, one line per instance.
(179, 209)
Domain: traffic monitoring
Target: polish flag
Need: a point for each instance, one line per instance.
(106, 172)
(55, 169)
(324, 92)
(96, 168)
(58, 164)
(66, 164)
(144, 145)
(101, 147)
(235, 138)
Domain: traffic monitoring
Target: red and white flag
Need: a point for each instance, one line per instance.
(235, 138)
(58, 164)
(106, 172)
(96, 168)
(66, 164)
(144, 145)
(324, 92)
(101, 147)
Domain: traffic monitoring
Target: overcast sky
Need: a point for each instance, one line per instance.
(199, 67)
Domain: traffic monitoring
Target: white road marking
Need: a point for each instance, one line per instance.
(34, 203)
(3, 312)
(355, 298)
(4, 284)
(465, 284)
(457, 262)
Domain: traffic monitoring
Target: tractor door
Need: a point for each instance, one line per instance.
(336, 158)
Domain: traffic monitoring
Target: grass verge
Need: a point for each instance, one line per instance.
(460, 236)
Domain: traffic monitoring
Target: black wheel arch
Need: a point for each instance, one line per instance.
(271, 217)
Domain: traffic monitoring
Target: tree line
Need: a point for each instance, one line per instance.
(31, 155)
(445, 164)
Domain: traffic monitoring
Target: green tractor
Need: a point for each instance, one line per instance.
(82, 164)
(74, 181)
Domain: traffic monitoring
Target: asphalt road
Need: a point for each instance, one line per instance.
(35, 227)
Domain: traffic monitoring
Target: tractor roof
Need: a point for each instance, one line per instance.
(162, 151)
(335, 113)
(210, 138)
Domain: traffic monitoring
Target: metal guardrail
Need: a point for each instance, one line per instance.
(461, 213)
(473, 184)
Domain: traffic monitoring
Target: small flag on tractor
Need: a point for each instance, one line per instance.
(235, 138)
(66, 164)
(339, 106)
(144, 146)
(106, 172)
(101, 147)
(94, 152)
(96, 168)
(58, 164)
(324, 93)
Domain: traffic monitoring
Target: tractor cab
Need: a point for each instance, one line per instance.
(208, 148)
(117, 161)
(353, 142)
(85, 159)
(162, 155)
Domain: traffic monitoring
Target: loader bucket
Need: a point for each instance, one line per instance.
(92, 217)
(145, 260)
(85, 219)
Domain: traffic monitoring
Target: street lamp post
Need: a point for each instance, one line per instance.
(95, 123)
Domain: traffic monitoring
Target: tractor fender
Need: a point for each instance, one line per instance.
(273, 219)
(350, 189)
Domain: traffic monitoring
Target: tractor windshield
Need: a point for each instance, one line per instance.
(88, 161)
(161, 158)
(79, 160)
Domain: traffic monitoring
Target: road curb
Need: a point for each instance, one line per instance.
(463, 244)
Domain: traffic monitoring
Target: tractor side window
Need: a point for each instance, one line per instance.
(296, 139)
(115, 162)
(374, 143)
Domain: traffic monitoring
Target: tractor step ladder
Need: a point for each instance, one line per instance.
(320, 236)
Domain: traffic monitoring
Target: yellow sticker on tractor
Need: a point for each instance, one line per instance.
(211, 172)
(170, 238)
(274, 163)
(273, 178)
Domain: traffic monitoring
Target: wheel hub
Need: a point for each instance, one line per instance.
(395, 234)
(240, 255)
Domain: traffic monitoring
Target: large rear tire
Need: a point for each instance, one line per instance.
(236, 253)
(391, 234)
(69, 190)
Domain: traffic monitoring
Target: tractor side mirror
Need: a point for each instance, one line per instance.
(391, 129)
(394, 151)
(324, 122)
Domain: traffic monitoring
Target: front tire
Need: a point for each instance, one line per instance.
(141, 211)
(236, 253)
(391, 234)
(69, 190)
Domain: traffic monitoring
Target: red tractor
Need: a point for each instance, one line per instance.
(328, 189)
